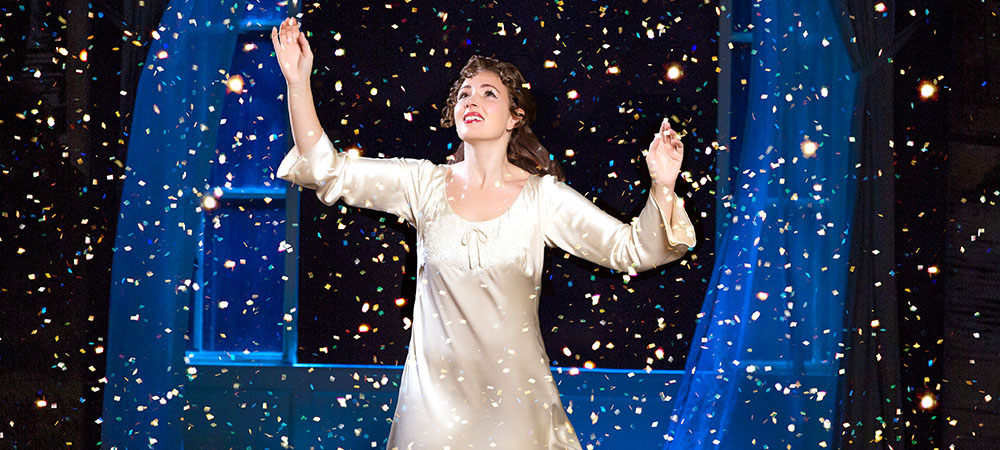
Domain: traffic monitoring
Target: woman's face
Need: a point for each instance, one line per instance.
(482, 109)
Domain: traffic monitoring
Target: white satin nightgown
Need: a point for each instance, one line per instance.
(477, 375)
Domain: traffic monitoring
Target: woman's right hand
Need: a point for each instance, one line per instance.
(293, 52)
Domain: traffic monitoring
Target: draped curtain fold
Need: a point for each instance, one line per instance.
(174, 125)
(870, 407)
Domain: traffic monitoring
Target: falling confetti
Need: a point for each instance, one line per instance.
(602, 74)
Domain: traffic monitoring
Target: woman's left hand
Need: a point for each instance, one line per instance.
(665, 155)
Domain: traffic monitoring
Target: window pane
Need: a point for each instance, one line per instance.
(244, 294)
(252, 140)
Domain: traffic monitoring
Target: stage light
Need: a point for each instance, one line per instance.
(234, 84)
(209, 203)
(928, 90)
(808, 148)
(674, 72)
(928, 401)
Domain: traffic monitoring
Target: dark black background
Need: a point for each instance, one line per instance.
(58, 212)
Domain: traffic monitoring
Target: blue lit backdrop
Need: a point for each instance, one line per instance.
(762, 371)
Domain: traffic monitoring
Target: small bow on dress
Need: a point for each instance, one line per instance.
(474, 238)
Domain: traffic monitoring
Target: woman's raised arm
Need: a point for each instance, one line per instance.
(391, 185)
(661, 233)
(296, 58)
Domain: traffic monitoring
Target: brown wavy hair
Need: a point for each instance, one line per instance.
(524, 149)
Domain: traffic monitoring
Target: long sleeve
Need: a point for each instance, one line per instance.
(390, 184)
(574, 224)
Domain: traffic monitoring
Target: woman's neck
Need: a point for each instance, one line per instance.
(486, 164)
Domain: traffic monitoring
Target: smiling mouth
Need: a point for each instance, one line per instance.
(472, 117)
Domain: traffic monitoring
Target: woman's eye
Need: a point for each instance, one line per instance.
(491, 93)
(463, 95)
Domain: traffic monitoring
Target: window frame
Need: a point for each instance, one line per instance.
(289, 196)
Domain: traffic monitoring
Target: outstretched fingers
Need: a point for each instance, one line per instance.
(665, 131)
(274, 39)
(289, 33)
(280, 35)
(304, 45)
(671, 140)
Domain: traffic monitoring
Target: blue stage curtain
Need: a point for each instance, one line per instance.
(173, 133)
(763, 368)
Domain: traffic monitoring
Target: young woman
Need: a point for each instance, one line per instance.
(477, 375)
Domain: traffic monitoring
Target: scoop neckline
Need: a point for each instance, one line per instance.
(444, 189)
